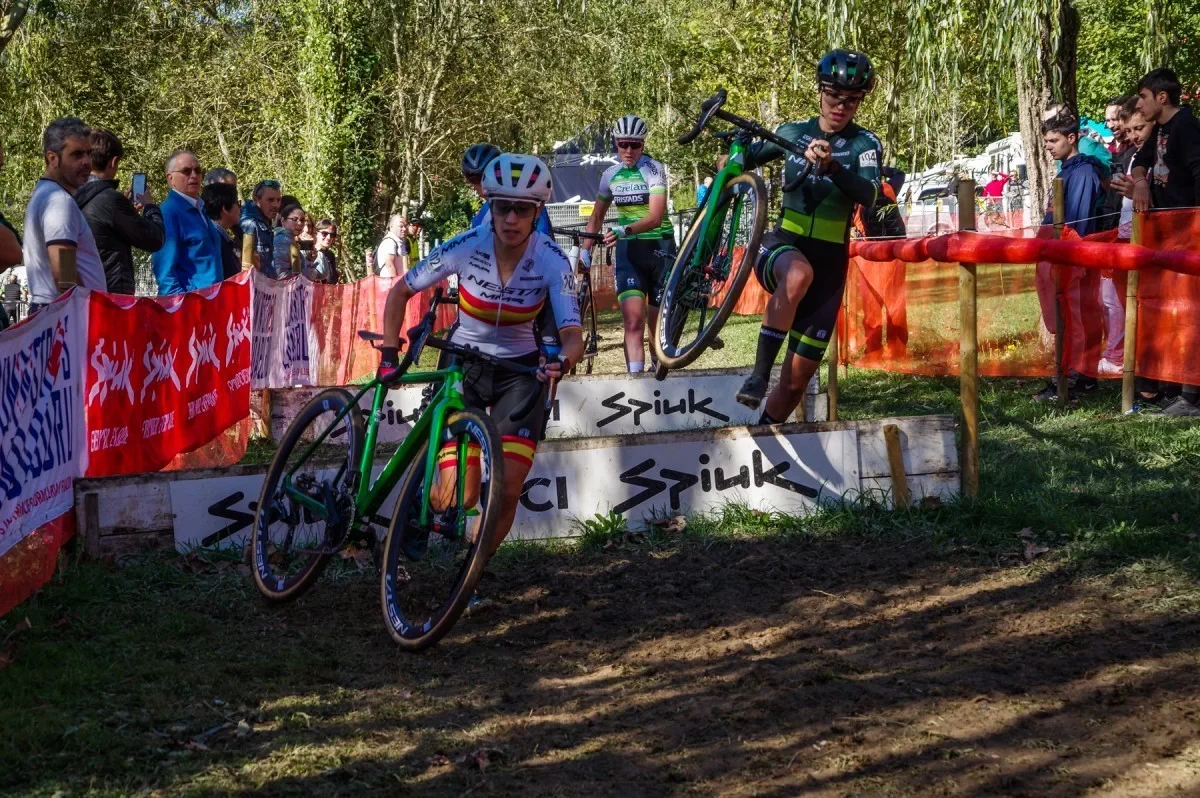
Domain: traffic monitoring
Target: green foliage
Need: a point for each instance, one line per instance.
(364, 108)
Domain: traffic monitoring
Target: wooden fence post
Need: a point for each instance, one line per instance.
(1128, 394)
(968, 350)
(832, 387)
(1060, 323)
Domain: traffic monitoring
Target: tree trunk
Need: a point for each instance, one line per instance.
(11, 21)
(1050, 78)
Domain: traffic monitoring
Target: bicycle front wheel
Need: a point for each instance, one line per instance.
(291, 544)
(707, 278)
(430, 571)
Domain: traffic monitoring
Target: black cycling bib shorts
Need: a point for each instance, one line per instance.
(641, 266)
(817, 312)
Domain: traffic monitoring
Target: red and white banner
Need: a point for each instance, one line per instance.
(284, 339)
(41, 430)
(165, 375)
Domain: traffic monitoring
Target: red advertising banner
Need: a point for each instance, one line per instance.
(340, 311)
(165, 375)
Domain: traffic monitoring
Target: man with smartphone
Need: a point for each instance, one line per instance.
(119, 222)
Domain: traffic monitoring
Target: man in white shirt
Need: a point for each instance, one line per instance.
(59, 250)
(389, 255)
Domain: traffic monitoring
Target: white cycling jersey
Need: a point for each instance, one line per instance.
(498, 317)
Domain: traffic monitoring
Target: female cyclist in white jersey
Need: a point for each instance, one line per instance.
(506, 273)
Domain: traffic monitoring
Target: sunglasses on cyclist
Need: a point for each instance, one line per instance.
(522, 210)
(847, 100)
(632, 144)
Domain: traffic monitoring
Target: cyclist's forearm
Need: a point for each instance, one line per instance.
(572, 343)
(595, 221)
(393, 313)
(858, 188)
(760, 153)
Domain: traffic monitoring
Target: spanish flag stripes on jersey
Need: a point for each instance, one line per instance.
(496, 312)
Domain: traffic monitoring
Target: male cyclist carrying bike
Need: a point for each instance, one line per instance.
(643, 236)
(507, 272)
(803, 261)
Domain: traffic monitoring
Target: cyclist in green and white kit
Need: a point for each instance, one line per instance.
(643, 236)
(803, 261)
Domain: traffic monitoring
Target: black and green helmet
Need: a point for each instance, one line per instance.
(846, 70)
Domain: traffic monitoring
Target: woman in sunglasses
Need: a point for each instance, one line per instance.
(643, 236)
(507, 272)
(803, 261)
(323, 268)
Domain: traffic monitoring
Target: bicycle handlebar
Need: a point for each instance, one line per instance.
(712, 107)
(707, 109)
(576, 234)
(472, 353)
(418, 338)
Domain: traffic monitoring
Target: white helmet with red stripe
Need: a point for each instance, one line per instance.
(517, 177)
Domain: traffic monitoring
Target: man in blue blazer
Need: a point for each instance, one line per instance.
(190, 257)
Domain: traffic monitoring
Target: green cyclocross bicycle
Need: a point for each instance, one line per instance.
(718, 252)
(318, 496)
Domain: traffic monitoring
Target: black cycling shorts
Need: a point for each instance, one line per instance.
(641, 267)
(487, 386)
(817, 312)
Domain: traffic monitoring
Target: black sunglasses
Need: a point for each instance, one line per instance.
(522, 210)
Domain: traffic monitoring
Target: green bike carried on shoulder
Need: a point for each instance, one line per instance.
(318, 497)
(717, 254)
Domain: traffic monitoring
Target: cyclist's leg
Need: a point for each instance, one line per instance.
(786, 272)
(631, 294)
(812, 326)
(656, 270)
(519, 438)
(478, 382)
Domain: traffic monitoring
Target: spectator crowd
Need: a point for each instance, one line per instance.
(1153, 162)
(82, 229)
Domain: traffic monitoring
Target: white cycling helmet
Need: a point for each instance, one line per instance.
(517, 177)
(630, 126)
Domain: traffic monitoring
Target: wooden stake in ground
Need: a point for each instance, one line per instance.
(968, 350)
(1128, 395)
(832, 388)
(1060, 324)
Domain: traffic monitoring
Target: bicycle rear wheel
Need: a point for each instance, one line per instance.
(687, 320)
(591, 341)
(423, 598)
(290, 545)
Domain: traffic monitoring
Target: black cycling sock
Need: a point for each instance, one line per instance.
(770, 341)
(766, 419)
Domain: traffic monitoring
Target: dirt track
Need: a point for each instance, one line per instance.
(792, 668)
(786, 667)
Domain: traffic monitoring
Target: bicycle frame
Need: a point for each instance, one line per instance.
(711, 225)
(369, 496)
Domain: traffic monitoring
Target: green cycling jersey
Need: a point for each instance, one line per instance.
(631, 188)
(822, 207)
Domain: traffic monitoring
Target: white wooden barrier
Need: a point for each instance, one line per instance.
(589, 406)
(789, 468)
